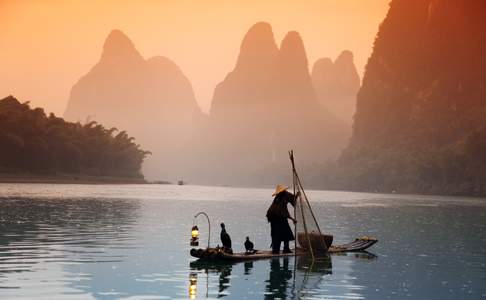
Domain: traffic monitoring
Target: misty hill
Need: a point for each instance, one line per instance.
(420, 124)
(31, 142)
(152, 99)
(266, 106)
(337, 84)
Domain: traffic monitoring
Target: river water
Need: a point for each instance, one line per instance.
(132, 242)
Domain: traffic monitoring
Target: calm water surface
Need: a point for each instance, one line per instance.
(132, 242)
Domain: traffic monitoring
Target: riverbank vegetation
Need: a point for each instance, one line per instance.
(458, 169)
(32, 142)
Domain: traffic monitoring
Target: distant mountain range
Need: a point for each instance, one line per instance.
(152, 99)
(264, 107)
(337, 84)
(268, 105)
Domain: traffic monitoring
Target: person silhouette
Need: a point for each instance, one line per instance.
(277, 215)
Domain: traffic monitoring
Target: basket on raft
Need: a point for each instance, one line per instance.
(318, 242)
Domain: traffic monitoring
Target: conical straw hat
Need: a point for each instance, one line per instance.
(280, 188)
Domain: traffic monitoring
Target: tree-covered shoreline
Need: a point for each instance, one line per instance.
(33, 143)
(457, 170)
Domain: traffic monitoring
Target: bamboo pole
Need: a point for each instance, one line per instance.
(291, 155)
(297, 180)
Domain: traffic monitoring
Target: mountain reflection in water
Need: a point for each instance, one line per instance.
(132, 242)
(62, 231)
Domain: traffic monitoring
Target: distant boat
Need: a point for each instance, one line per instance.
(160, 182)
(180, 182)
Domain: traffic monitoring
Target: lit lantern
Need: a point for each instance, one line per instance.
(195, 230)
(192, 285)
(194, 236)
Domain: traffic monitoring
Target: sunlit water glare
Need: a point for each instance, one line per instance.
(132, 242)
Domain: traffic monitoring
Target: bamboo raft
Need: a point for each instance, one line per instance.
(217, 254)
(310, 237)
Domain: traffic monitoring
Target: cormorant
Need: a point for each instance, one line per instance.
(225, 238)
(249, 246)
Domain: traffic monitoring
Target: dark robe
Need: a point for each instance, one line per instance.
(278, 214)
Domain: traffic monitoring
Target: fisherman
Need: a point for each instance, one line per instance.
(277, 215)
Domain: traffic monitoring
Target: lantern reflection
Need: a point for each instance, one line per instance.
(192, 285)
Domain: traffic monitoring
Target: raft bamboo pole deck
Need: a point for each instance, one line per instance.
(217, 254)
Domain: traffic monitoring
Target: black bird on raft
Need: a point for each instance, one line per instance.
(249, 246)
(225, 239)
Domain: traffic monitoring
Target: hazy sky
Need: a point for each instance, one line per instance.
(46, 45)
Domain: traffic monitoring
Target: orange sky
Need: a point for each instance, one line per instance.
(46, 45)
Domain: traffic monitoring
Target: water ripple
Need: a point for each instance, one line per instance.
(131, 242)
